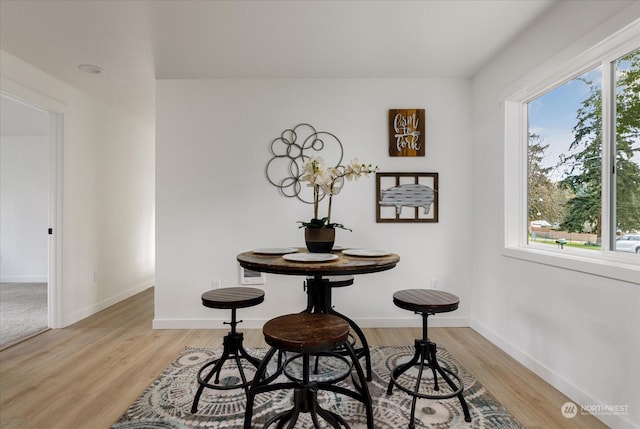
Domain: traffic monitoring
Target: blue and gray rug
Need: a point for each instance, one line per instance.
(167, 402)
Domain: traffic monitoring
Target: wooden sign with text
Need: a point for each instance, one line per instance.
(406, 132)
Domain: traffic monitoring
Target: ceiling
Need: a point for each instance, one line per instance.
(136, 41)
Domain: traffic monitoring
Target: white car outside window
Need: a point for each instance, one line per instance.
(629, 243)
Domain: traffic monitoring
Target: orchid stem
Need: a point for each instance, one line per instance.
(315, 201)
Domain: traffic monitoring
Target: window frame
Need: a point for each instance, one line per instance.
(607, 262)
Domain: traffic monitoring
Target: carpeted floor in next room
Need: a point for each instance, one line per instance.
(23, 311)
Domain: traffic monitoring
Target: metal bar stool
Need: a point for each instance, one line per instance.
(228, 298)
(308, 334)
(427, 302)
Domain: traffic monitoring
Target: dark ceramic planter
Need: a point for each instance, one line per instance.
(319, 240)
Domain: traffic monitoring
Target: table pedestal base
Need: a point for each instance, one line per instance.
(319, 301)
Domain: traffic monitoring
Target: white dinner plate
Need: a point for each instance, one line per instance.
(310, 257)
(275, 250)
(365, 252)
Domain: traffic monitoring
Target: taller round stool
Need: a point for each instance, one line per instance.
(228, 298)
(427, 302)
(304, 335)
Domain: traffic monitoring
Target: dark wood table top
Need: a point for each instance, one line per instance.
(344, 265)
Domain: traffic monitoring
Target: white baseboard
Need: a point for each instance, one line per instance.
(565, 386)
(205, 323)
(93, 309)
(24, 279)
(414, 322)
(409, 322)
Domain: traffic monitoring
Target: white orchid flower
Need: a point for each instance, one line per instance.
(337, 186)
(355, 169)
(315, 171)
(330, 180)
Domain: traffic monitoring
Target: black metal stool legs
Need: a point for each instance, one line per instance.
(459, 388)
(305, 397)
(305, 400)
(362, 351)
(255, 387)
(425, 356)
(232, 349)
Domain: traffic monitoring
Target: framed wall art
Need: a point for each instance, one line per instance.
(406, 132)
(406, 197)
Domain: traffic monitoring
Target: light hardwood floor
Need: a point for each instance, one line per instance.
(86, 375)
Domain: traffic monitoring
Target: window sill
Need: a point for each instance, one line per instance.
(618, 268)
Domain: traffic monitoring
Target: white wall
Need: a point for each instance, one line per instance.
(578, 331)
(213, 199)
(24, 207)
(107, 192)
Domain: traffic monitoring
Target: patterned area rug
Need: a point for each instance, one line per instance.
(167, 402)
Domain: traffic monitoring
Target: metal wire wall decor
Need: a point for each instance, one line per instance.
(291, 150)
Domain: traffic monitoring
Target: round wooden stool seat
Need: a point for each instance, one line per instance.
(306, 332)
(426, 300)
(232, 297)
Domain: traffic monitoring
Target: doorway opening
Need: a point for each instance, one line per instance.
(28, 148)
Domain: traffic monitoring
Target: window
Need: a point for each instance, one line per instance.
(565, 158)
(626, 194)
(572, 159)
(564, 163)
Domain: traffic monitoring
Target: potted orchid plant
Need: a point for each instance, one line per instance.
(327, 181)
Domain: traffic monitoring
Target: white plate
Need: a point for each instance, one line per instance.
(310, 257)
(365, 252)
(275, 250)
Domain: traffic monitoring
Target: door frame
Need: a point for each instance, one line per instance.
(56, 115)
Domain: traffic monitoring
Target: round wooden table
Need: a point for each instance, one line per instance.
(320, 295)
(344, 265)
(319, 291)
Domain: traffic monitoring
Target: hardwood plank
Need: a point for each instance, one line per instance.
(86, 375)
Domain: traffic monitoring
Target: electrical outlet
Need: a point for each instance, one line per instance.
(434, 283)
(216, 284)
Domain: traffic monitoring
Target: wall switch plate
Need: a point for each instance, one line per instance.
(216, 284)
(434, 283)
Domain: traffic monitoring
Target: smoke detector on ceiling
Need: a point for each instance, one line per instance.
(90, 68)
